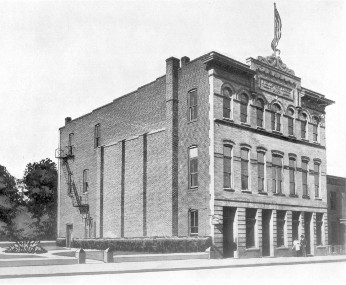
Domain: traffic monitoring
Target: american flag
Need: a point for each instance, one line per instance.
(277, 29)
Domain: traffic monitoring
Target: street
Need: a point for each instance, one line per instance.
(319, 273)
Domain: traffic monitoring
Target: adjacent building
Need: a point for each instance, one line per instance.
(336, 191)
(214, 148)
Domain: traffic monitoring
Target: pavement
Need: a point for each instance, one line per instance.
(93, 267)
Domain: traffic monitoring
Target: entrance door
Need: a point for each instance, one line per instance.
(69, 230)
(307, 223)
(229, 245)
(266, 216)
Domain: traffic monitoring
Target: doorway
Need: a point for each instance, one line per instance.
(307, 223)
(69, 230)
(229, 245)
(266, 217)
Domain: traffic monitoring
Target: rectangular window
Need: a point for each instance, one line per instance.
(333, 200)
(193, 167)
(281, 228)
(260, 171)
(259, 114)
(193, 222)
(244, 169)
(250, 227)
(227, 107)
(319, 228)
(70, 143)
(290, 126)
(276, 126)
(97, 135)
(305, 178)
(69, 184)
(277, 174)
(303, 129)
(85, 181)
(317, 179)
(314, 133)
(227, 166)
(292, 169)
(193, 105)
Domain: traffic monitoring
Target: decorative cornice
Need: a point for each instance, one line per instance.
(276, 62)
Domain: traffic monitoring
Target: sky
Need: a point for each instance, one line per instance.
(66, 58)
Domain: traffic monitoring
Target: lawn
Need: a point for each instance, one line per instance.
(12, 256)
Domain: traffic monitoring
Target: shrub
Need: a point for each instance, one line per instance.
(26, 246)
(61, 242)
(145, 244)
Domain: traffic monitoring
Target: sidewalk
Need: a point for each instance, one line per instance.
(93, 267)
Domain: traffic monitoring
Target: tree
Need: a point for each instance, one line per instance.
(40, 179)
(10, 200)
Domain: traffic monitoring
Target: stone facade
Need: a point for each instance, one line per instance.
(157, 164)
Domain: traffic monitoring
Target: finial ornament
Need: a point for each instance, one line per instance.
(277, 31)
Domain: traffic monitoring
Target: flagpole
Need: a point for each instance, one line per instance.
(274, 27)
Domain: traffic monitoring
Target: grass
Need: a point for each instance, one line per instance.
(12, 256)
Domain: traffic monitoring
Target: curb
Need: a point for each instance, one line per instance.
(60, 274)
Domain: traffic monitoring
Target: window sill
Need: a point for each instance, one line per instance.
(321, 246)
(294, 195)
(306, 197)
(245, 125)
(292, 137)
(261, 128)
(246, 191)
(192, 189)
(276, 132)
(228, 189)
(317, 143)
(279, 194)
(319, 199)
(252, 249)
(304, 140)
(228, 120)
(262, 193)
(193, 121)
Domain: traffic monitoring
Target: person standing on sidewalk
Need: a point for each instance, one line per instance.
(296, 247)
(303, 245)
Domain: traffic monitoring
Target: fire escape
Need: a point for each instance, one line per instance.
(81, 202)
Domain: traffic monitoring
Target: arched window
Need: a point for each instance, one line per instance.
(276, 118)
(303, 124)
(259, 112)
(244, 101)
(290, 119)
(315, 122)
(227, 93)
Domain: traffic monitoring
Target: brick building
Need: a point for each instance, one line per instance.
(214, 148)
(336, 191)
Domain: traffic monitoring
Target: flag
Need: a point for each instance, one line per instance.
(277, 29)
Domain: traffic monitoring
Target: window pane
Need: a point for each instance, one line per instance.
(244, 154)
(260, 157)
(273, 121)
(259, 117)
(193, 152)
(227, 150)
(193, 98)
(226, 108)
(278, 125)
(290, 126)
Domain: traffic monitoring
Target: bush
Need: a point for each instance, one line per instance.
(26, 246)
(145, 244)
(61, 242)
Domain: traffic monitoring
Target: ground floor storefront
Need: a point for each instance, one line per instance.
(246, 230)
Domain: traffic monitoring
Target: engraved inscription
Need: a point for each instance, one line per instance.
(275, 88)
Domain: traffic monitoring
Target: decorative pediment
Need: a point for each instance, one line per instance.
(276, 62)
